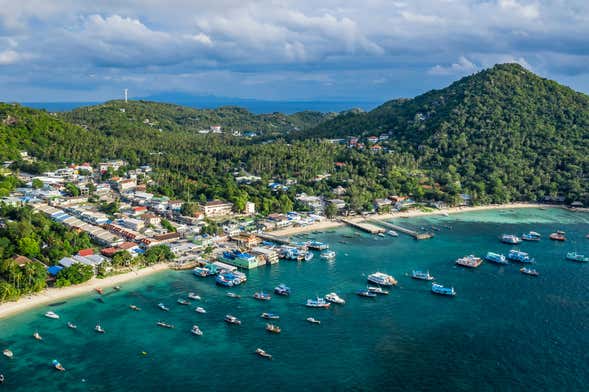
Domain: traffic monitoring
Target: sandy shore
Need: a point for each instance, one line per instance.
(330, 224)
(51, 295)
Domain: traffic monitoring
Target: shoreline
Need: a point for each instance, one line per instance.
(332, 224)
(55, 294)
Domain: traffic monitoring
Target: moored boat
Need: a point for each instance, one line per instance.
(496, 258)
(263, 354)
(317, 303)
(57, 366)
(313, 320)
(135, 308)
(392, 233)
(309, 256)
(99, 290)
(519, 256)
(192, 295)
(441, 290)
(510, 239)
(327, 254)
(99, 329)
(574, 256)
(233, 295)
(202, 272)
(200, 310)
(260, 295)
(163, 307)
(182, 301)
(71, 325)
(37, 336)
(531, 236)
(164, 325)
(558, 236)
(51, 315)
(282, 289)
(232, 320)
(230, 279)
(470, 261)
(196, 330)
(377, 290)
(365, 293)
(382, 279)
(528, 271)
(420, 275)
(269, 316)
(273, 328)
(7, 353)
(334, 298)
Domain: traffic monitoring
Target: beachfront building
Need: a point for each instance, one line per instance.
(216, 208)
(240, 259)
(246, 241)
(269, 255)
(383, 204)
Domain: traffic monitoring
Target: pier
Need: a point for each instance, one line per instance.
(275, 238)
(365, 226)
(412, 233)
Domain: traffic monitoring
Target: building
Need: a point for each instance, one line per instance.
(247, 241)
(338, 203)
(268, 254)
(133, 224)
(217, 208)
(151, 219)
(126, 185)
(175, 205)
(250, 208)
(382, 203)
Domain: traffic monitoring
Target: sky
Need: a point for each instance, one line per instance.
(369, 50)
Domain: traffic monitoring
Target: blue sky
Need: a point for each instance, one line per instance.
(81, 50)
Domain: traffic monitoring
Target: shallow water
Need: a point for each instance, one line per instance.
(503, 330)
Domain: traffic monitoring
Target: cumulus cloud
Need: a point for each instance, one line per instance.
(462, 67)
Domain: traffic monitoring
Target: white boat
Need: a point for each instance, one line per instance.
(420, 275)
(382, 279)
(98, 328)
(336, 299)
(200, 310)
(37, 336)
(327, 254)
(377, 290)
(7, 353)
(71, 325)
(52, 315)
(163, 307)
(193, 296)
(392, 233)
(196, 330)
(313, 320)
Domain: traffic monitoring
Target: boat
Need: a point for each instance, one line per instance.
(117, 288)
(100, 299)
(531, 236)
(55, 363)
(327, 254)
(202, 272)
(99, 290)
(135, 308)
(1, 378)
(263, 354)
(273, 328)
(510, 239)
(232, 320)
(558, 236)
(317, 303)
(382, 279)
(317, 245)
(233, 295)
(200, 310)
(37, 336)
(420, 275)
(309, 256)
(365, 293)
(7, 353)
(164, 325)
(334, 298)
(470, 261)
(262, 296)
(377, 290)
(52, 315)
(380, 234)
(230, 279)
(196, 330)
(193, 296)
(313, 320)
(496, 258)
(182, 301)
(441, 290)
(163, 307)
(98, 328)
(71, 325)
(519, 256)
(574, 256)
(392, 233)
(282, 289)
(269, 316)
(529, 271)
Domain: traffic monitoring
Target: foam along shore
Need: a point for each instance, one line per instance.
(331, 224)
(51, 295)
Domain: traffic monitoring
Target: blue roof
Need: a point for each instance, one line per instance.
(53, 270)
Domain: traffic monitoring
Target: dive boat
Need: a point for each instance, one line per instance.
(164, 325)
(365, 293)
(57, 366)
(200, 310)
(382, 279)
(529, 271)
(182, 301)
(441, 290)
(510, 239)
(327, 254)
(232, 320)
(196, 330)
(421, 275)
(260, 295)
(263, 354)
(98, 328)
(470, 261)
(71, 325)
(163, 307)
(282, 289)
(531, 236)
(574, 256)
(269, 316)
(37, 336)
(193, 296)
(496, 258)
(392, 233)
(135, 308)
(7, 353)
(233, 295)
(334, 298)
(317, 303)
(313, 320)
(558, 236)
(519, 256)
(377, 290)
(52, 315)
(273, 328)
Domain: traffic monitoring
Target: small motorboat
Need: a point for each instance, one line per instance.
(313, 320)
(380, 234)
(200, 310)
(420, 275)
(269, 316)
(135, 308)
(262, 296)
(282, 289)
(71, 325)
(164, 325)
(7, 353)
(558, 236)
(529, 271)
(163, 307)
(263, 354)
(182, 301)
(574, 256)
(196, 330)
(57, 366)
(233, 295)
(99, 290)
(327, 254)
(365, 293)
(531, 236)
(334, 298)
(98, 328)
(232, 320)
(392, 233)
(377, 290)
(117, 288)
(1, 378)
(193, 296)
(37, 336)
(273, 328)
(51, 315)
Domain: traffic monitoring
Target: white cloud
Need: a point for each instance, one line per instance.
(9, 57)
(462, 67)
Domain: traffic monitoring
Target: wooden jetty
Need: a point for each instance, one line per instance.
(365, 226)
(412, 233)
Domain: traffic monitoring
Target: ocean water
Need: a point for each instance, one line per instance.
(502, 331)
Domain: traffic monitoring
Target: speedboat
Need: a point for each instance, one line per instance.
(163, 307)
(262, 296)
(336, 299)
(313, 320)
(558, 236)
(510, 239)
(496, 258)
(193, 296)
(519, 256)
(574, 256)
(470, 261)
(52, 315)
(7, 353)
(273, 328)
(441, 290)
(182, 301)
(317, 303)
(37, 336)
(196, 330)
(233, 295)
(98, 328)
(365, 293)
(377, 290)
(382, 279)
(135, 308)
(55, 363)
(531, 236)
(232, 320)
(420, 275)
(263, 354)
(282, 289)
(164, 325)
(392, 233)
(529, 271)
(270, 316)
(200, 310)
(71, 325)
(327, 254)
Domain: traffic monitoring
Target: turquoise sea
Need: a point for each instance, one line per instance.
(502, 331)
